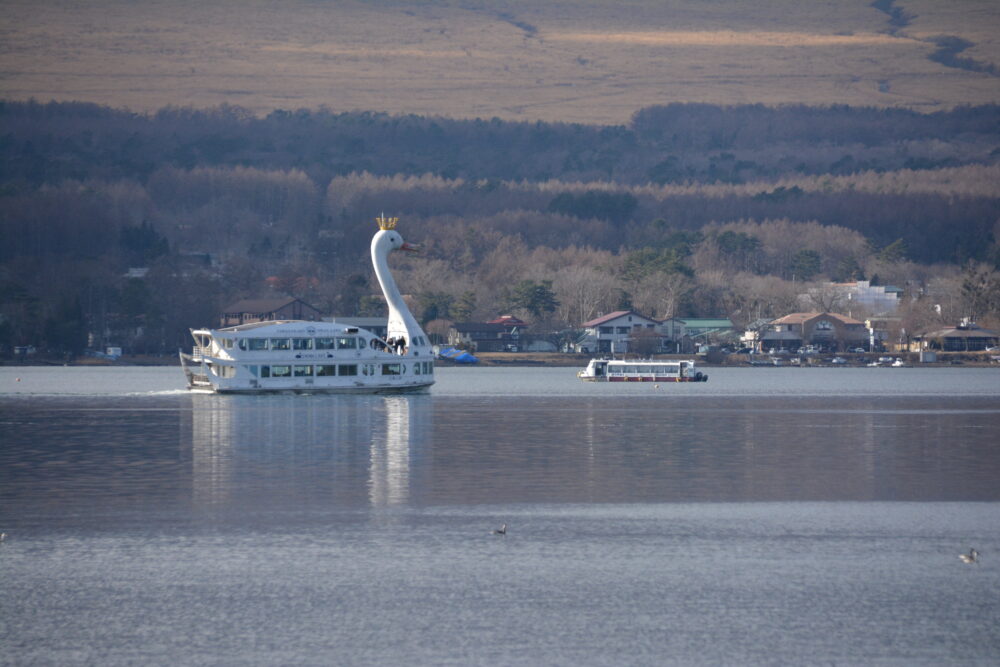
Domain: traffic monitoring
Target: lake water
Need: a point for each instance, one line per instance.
(768, 516)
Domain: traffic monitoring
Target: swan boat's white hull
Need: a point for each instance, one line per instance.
(200, 380)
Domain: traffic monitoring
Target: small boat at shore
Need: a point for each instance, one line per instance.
(293, 356)
(621, 370)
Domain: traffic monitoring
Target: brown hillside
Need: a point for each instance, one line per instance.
(583, 61)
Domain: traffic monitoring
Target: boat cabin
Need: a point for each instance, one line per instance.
(616, 370)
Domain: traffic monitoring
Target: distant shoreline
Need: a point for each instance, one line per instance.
(556, 359)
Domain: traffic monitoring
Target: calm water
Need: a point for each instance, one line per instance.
(769, 516)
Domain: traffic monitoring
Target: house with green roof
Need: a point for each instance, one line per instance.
(704, 330)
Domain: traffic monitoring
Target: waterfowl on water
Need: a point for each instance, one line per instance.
(971, 557)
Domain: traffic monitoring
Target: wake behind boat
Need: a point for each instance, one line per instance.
(318, 357)
(620, 370)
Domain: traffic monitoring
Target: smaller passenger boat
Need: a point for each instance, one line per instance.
(621, 370)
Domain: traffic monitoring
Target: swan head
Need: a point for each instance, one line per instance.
(389, 240)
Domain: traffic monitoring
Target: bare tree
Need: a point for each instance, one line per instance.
(825, 298)
(584, 292)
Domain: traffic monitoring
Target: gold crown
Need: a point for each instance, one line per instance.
(385, 223)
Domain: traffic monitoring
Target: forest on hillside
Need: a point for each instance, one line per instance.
(689, 210)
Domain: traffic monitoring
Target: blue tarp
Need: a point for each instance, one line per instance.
(458, 356)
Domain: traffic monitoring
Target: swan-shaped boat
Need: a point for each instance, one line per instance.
(318, 357)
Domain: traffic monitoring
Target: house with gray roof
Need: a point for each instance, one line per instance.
(965, 337)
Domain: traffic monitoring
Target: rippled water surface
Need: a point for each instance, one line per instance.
(767, 516)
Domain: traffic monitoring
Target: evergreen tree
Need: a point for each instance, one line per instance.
(536, 298)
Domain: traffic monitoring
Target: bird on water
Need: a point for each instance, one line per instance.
(971, 557)
(502, 530)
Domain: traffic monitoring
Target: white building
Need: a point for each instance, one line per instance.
(875, 299)
(611, 333)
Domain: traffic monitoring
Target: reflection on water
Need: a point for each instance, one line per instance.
(273, 450)
(389, 473)
(250, 454)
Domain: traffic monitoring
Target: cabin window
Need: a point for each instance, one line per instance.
(223, 371)
(347, 343)
(326, 370)
(265, 371)
(254, 370)
(302, 371)
(281, 371)
(607, 330)
(257, 344)
(281, 344)
(624, 330)
(242, 343)
(326, 343)
(302, 343)
(347, 369)
(392, 369)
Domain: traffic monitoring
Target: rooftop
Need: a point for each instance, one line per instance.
(614, 316)
(800, 318)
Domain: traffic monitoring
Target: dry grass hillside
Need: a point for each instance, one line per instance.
(590, 61)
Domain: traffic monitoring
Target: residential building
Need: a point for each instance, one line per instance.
(856, 296)
(827, 331)
(708, 330)
(965, 337)
(263, 310)
(509, 320)
(616, 332)
(502, 334)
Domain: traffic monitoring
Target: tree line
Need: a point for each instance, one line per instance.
(557, 222)
(674, 143)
